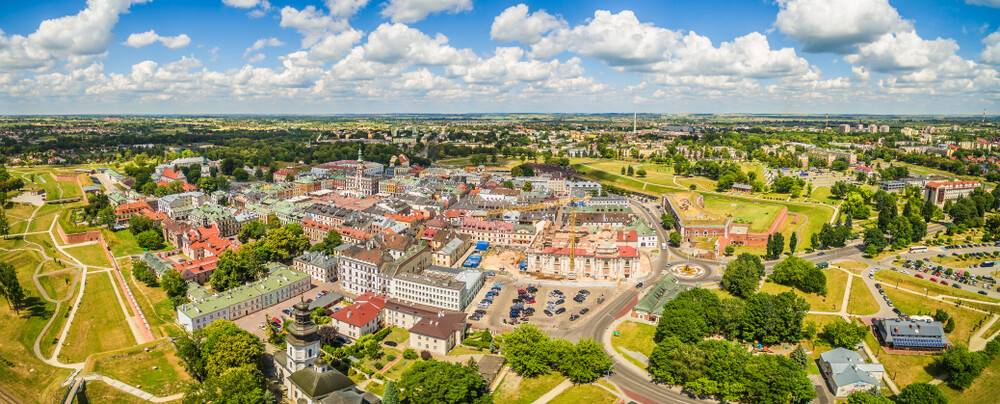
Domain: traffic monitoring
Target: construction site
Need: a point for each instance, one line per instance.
(579, 252)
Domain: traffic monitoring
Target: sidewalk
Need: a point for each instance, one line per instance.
(554, 392)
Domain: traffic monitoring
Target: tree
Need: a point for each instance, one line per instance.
(742, 275)
(107, 217)
(391, 393)
(862, 397)
(10, 287)
(814, 241)
(641, 172)
(524, 350)
(840, 333)
(950, 325)
(793, 242)
(799, 357)
(668, 221)
(527, 186)
(800, 273)
(785, 381)
(432, 382)
(175, 286)
(631, 171)
(140, 223)
(329, 243)
(4, 223)
(585, 362)
(962, 366)
(240, 174)
(290, 177)
(150, 239)
(319, 316)
(730, 249)
(251, 231)
(921, 393)
(675, 238)
(875, 240)
(286, 242)
(141, 272)
(775, 245)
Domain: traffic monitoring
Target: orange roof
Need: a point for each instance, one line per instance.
(132, 208)
(362, 313)
(171, 173)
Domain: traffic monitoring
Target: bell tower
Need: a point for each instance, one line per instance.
(302, 339)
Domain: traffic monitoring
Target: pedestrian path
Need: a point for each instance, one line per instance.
(554, 392)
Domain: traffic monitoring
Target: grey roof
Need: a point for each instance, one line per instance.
(849, 368)
(318, 259)
(913, 333)
(326, 300)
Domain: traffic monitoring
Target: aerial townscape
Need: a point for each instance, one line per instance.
(382, 215)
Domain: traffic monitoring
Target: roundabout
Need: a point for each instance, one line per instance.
(688, 271)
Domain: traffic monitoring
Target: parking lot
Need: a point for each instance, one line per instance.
(254, 321)
(497, 314)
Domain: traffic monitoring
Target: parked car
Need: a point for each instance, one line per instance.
(600, 300)
(390, 343)
(982, 292)
(944, 283)
(956, 286)
(584, 311)
(639, 285)
(919, 276)
(561, 310)
(573, 317)
(547, 313)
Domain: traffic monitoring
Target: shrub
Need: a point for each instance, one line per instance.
(425, 355)
(390, 357)
(410, 354)
(379, 366)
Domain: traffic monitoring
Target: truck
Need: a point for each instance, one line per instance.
(823, 265)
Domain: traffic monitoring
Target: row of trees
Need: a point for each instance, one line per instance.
(531, 353)
(10, 287)
(800, 274)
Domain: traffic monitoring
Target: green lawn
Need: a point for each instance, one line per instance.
(99, 325)
(463, 350)
(101, 392)
(90, 255)
(836, 285)
(585, 393)
(121, 242)
(398, 335)
(636, 337)
(136, 368)
(893, 278)
(861, 301)
(517, 390)
(965, 319)
(51, 336)
(57, 285)
(43, 220)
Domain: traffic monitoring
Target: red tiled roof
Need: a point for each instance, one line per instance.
(171, 173)
(358, 314)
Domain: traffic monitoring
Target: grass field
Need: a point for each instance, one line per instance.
(99, 325)
(892, 278)
(398, 335)
(43, 220)
(27, 378)
(121, 242)
(760, 215)
(822, 194)
(636, 337)
(851, 265)
(101, 392)
(515, 389)
(57, 285)
(136, 368)
(397, 370)
(965, 319)
(836, 284)
(861, 301)
(584, 393)
(992, 330)
(51, 337)
(90, 255)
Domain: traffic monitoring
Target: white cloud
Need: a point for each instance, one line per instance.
(147, 38)
(345, 8)
(516, 24)
(902, 52)
(988, 3)
(837, 26)
(87, 33)
(335, 46)
(617, 39)
(142, 39)
(407, 11)
(261, 43)
(256, 58)
(991, 54)
(313, 24)
(398, 43)
(241, 3)
(746, 56)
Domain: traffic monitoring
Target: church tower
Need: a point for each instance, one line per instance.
(302, 339)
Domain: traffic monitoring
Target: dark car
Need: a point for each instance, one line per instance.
(584, 311)
(561, 310)
(390, 343)
(897, 311)
(982, 292)
(531, 289)
(560, 301)
(584, 292)
(547, 313)
(821, 253)
(573, 317)
(639, 285)
(600, 300)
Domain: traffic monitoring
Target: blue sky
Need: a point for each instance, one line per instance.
(376, 56)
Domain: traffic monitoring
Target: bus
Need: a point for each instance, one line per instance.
(918, 249)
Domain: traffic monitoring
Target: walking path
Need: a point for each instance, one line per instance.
(554, 392)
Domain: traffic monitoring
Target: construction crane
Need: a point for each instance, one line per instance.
(572, 202)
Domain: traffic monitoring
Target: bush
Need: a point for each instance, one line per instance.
(410, 354)
(379, 366)
(390, 357)
(425, 355)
